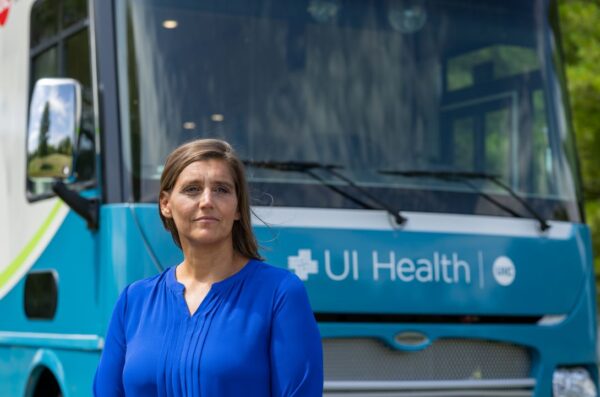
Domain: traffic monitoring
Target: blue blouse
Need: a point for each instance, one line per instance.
(254, 335)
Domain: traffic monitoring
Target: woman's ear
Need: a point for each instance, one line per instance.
(165, 208)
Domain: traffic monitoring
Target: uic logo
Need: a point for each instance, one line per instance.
(504, 271)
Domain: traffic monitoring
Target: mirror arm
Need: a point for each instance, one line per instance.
(86, 208)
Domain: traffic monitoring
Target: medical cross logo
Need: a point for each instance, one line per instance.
(303, 264)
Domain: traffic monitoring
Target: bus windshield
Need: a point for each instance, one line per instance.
(390, 92)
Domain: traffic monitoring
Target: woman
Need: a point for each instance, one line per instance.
(221, 323)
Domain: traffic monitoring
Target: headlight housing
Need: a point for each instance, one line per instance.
(573, 382)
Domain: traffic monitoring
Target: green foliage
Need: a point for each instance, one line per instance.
(50, 166)
(580, 25)
(503, 60)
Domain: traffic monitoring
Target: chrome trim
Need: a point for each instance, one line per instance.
(552, 319)
(449, 385)
(412, 339)
(461, 393)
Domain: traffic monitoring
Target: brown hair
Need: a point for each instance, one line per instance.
(244, 241)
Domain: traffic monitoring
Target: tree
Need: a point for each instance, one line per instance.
(44, 130)
(580, 25)
(64, 146)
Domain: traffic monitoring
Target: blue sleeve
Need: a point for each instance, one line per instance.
(296, 350)
(109, 375)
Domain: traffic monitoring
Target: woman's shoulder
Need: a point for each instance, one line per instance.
(269, 271)
(141, 288)
(278, 278)
(282, 288)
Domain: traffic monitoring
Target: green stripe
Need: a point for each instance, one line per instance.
(18, 262)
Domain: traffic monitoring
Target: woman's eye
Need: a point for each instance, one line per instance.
(221, 189)
(191, 189)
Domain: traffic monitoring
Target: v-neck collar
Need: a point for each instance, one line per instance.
(214, 291)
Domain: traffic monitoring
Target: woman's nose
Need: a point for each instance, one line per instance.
(206, 198)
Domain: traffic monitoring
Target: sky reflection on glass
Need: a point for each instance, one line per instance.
(60, 99)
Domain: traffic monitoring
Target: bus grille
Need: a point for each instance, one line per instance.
(446, 359)
(446, 368)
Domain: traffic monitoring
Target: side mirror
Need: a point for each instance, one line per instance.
(54, 116)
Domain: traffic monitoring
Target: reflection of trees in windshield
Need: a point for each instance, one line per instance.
(312, 90)
(353, 101)
(351, 88)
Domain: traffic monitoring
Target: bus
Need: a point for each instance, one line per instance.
(411, 161)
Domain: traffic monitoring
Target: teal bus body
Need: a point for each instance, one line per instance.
(132, 234)
(465, 293)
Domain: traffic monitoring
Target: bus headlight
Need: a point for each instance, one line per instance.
(573, 382)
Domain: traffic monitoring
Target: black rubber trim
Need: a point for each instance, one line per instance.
(423, 318)
(112, 178)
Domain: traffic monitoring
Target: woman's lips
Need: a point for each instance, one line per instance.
(206, 219)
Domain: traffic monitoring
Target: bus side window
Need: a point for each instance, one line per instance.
(60, 47)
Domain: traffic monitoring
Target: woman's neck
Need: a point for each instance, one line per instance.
(209, 264)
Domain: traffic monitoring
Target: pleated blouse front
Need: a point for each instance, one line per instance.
(254, 334)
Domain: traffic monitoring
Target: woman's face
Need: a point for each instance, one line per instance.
(203, 203)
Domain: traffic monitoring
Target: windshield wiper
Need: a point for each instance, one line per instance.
(308, 169)
(467, 177)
